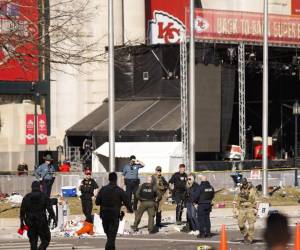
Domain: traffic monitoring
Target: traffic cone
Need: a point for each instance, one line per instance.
(297, 237)
(223, 240)
(87, 228)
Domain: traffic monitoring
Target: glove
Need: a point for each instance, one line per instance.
(121, 216)
(20, 231)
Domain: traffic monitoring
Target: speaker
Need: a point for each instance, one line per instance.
(208, 108)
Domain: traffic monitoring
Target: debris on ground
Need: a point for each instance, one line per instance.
(15, 198)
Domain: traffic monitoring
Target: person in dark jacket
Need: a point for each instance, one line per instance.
(33, 214)
(192, 218)
(110, 199)
(87, 188)
(148, 196)
(179, 181)
(204, 196)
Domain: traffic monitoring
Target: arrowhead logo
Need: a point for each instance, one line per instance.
(165, 28)
(201, 24)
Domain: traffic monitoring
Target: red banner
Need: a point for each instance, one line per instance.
(243, 26)
(29, 129)
(295, 7)
(42, 129)
(19, 40)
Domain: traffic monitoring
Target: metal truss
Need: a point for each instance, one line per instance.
(242, 99)
(184, 100)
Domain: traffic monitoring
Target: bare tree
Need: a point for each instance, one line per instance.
(33, 32)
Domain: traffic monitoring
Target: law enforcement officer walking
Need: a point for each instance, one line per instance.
(179, 181)
(131, 178)
(204, 197)
(148, 196)
(45, 174)
(161, 186)
(33, 214)
(110, 199)
(87, 187)
(245, 209)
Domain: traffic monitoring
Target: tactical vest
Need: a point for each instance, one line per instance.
(147, 192)
(159, 183)
(87, 186)
(207, 194)
(246, 198)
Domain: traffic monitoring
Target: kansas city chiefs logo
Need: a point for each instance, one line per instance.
(201, 24)
(165, 28)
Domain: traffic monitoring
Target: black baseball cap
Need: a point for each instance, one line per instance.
(132, 157)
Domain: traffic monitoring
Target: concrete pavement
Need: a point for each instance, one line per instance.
(219, 216)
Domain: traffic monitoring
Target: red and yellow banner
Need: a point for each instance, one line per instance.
(243, 26)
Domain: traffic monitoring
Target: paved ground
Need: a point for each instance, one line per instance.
(177, 241)
(167, 238)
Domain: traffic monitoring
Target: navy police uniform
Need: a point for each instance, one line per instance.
(87, 187)
(204, 197)
(179, 180)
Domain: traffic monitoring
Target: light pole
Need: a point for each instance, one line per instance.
(36, 96)
(265, 100)
(192, 97)
(296, 112)
(111, 87)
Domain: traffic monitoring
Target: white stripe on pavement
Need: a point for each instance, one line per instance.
(58, 246)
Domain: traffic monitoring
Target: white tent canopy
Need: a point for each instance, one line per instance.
(165, 154)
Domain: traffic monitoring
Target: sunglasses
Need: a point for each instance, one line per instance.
(189, 179)
(158, 170)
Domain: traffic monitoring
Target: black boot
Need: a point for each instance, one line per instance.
(158, 219)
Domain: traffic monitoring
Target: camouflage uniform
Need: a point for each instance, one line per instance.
(246, 203)
(161, 187)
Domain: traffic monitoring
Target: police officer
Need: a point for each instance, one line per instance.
(148, 195)
(245, 206)
(45, 174)
(161, 186)
(87, 187)
(110, 199)
(33, 214)
(131, 178)
(179, 181)
(204, 197)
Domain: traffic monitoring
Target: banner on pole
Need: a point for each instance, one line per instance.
(42, 129)
(29, 129)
